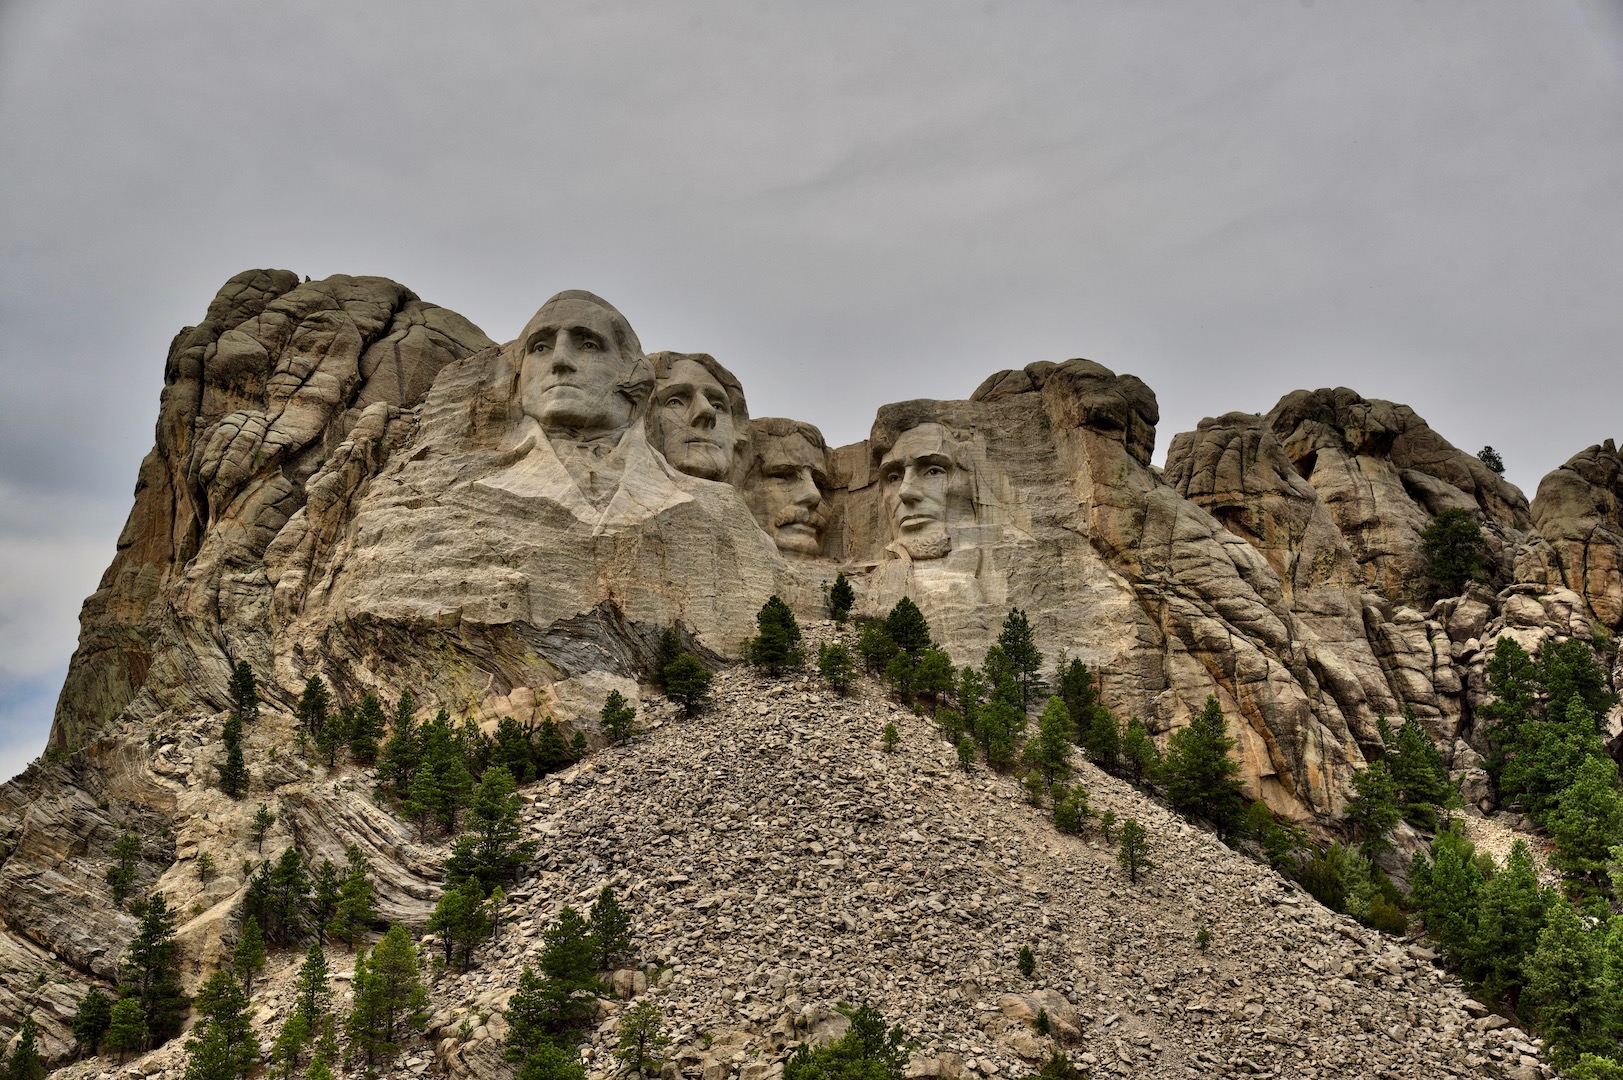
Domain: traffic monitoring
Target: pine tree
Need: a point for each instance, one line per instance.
(291, 1041)
(934, 675)
(1373, 811)
(1418, 772)
(1566, 986)
(244, 691)
(263, 820)
(462, 922)
(356, 909)
(366, 729)
(26, 1062)
(1140, 760)
(836, 665)
(1490, 457)
(312, 993)
(1133, 852)
(314, 705)
(1587, 823)
(610, 928)
(126, 1029)
(966, 754)
(1071, 809)
(493, 849)
(1201, 778)
(579, 748)
(224, 1044)
(404, 751)
(901, 671)
(841, 597)
(907, 627)
(205, 867)
(390, 1002)
(618, 717)
(558, 1003)
(248, 958)
(1050, 752)
(234, 769)
(1020, 646)
(326, 886)
(776, 645)
(151, 972)
(687, 682)
(91, 1021)
(1510, 913)
(1454, 551)
(971, 698)
(875, 646)
(121, 875)
(333, 735)
(640, 1037)
(668, 652)
(1447, 890)
(865, 1052)
(551, 752)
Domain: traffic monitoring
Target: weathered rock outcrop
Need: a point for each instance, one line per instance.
(1578, 513)
(285, 393)
(1383, 472)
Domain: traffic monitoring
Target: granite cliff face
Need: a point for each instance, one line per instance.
(353, 483)
(349, 482)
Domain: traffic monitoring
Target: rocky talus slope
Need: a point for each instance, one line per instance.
(778, 862)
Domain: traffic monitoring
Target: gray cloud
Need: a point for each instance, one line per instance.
(847, 204)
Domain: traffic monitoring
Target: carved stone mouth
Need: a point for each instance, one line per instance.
(917, 521)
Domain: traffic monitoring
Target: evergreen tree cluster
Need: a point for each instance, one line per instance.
(150, 1007)
(1547, 757)
(1525, 946)
(551, 1011)
(288, 901)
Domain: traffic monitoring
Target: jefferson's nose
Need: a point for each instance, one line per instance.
(702, 414)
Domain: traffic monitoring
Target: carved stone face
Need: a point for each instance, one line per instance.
(573, 369)
(787, 493)
(694, 421)
(920, 484)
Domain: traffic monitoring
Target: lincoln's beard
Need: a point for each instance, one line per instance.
(932, 543)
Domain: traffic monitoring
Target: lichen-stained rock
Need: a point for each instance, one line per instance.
(1578, 513)
(1384, 473)
(256, 399)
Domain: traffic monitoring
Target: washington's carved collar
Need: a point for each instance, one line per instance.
(605, 481)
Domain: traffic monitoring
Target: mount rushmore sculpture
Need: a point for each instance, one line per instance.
(352, 483)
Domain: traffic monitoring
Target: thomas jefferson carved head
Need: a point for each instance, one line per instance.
(583, 373)
(788, 475)
(699, 419)
(925, 481)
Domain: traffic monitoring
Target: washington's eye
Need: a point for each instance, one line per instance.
(588, 345)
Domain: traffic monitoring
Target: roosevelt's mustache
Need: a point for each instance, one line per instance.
(800, 515)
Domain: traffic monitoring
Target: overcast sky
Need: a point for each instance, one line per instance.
(846, 203)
